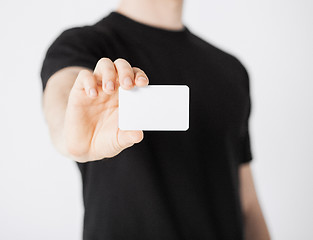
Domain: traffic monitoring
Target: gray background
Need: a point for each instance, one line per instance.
(40, 191)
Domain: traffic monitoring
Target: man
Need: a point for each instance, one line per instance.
(164, 185)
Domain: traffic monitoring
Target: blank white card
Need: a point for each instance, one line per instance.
(155, 108)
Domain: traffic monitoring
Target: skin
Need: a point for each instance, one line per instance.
(254, 224)
(80, 107)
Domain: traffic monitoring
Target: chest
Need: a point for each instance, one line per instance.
(218, 99)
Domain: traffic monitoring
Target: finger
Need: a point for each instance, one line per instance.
(105, 72)
(129, 138)
(125, 73)
(87, 82)
(141, 78)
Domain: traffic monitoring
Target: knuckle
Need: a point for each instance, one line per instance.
(137, 69)
(139, 72)
(109, 73)
(123, 66)
(105, 69)
(83, 74)
(88, 83)
(74, 150)
(120, 61)
(125, 72)
(138, 75)
(137, 137)
(103, 61)
(87, 80)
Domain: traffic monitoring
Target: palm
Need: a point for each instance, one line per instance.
(95, 123)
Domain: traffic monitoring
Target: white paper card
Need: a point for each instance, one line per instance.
(154, 107)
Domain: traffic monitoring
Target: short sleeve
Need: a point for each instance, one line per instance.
(245, 142)
(246, 149)
(73, 47)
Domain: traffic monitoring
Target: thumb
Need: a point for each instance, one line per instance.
(128, 138)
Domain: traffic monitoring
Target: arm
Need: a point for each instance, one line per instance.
(255, 226)
(55, 100)
(81, 108)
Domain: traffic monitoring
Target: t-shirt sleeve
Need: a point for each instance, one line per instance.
(247, 153)
(73, 47)
(245, 143)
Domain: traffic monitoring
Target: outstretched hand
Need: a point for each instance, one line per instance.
(91, 120)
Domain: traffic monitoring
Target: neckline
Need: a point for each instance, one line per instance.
(124, 21)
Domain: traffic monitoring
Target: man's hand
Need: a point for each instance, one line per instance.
(90, 129)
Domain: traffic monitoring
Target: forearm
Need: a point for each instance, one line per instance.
(55, 101)
(254, 224)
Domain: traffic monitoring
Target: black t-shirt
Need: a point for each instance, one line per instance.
(172, 185)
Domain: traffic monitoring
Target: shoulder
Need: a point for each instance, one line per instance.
(99, 28)
(77, 35)
(221, 59)
(217, 52)
(77, 46)
(83, 42)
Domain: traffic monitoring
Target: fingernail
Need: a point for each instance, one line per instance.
(93, 92)
(110, 85)
(142, 79)
(128, 81)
